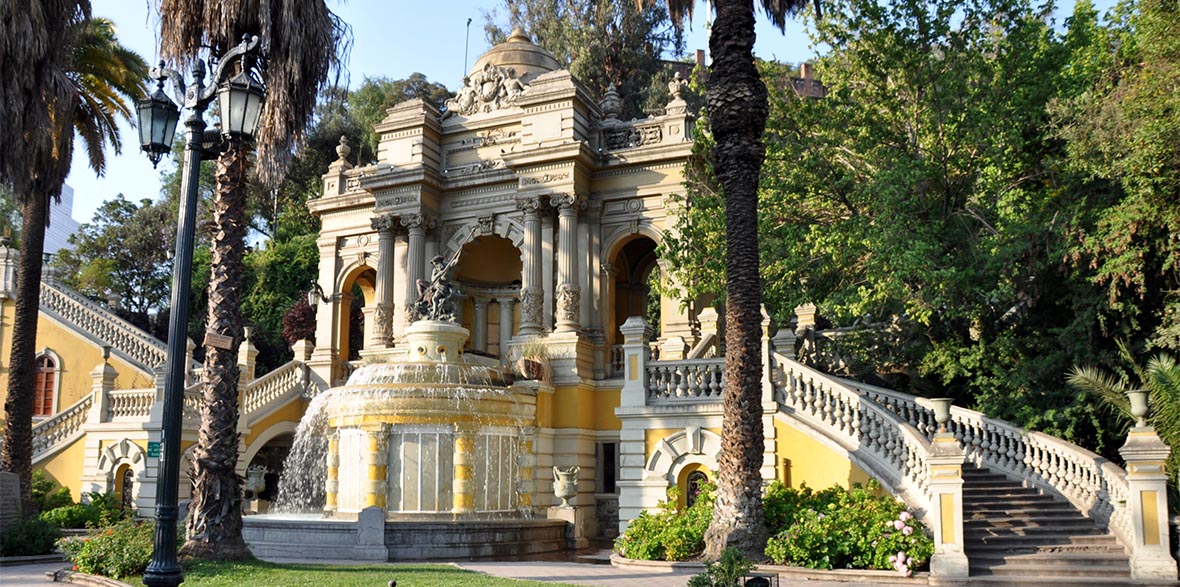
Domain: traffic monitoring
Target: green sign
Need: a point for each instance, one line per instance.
(153, 450)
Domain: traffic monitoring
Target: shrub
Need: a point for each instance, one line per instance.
(671, 533)
(30, 536)
(855, 530)
(726, 572)
(102, 509)
(47, 494)
(121, 550)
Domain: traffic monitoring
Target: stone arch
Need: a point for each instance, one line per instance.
(279, 429)
(613, 243)
(123, 455)
(500, 225)
(691, 446)
(359, 273)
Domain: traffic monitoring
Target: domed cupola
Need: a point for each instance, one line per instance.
(521, 55)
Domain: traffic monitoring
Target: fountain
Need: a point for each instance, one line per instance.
(421, 454)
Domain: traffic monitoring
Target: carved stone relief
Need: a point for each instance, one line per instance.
(486, 90)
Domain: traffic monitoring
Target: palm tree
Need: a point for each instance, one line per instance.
(300, 44)
(1161, 379)
(736, 101)
(71, 76)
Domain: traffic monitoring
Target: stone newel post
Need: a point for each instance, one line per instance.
(636, 334)
(1147, 500)
(103, 378)
(946, 499)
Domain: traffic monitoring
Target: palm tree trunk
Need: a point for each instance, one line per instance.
(17, 455)
(214, 526)
(737, 105)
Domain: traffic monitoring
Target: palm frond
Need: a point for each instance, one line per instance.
(1102, 385)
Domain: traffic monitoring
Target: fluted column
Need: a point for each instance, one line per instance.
(416, 225)
(479, 323)
(506, 304)
(383, 315)
(401, 270)
(531, 299)
(568, 302)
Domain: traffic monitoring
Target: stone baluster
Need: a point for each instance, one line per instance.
(386, 263)
(505, 304)
(1147, 481)
(479, 323)
(569, 293)
(531, 298)
(636, 334)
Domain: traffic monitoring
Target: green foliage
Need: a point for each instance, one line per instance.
(278, 273)
(256, 572)
(672, 533)
(601, 43)
(119, 551)
(101, 509)
(46, 494)
(837, 528)
(29, 536)
(725, 572)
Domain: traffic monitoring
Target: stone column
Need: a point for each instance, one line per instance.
(531, 299)
(378, 463)
(946, 507)
(416, 225)
(1147, 500)
(568, 302)
(332, 481)
(384, 225)
(506, 304)
(479, 323)
(636, 334)
(401, 303)
(463, 484)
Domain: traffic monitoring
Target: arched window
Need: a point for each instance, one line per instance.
(127, 489)
(44, 386)
(694, 482)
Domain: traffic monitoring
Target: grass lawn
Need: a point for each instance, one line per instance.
(209, 574)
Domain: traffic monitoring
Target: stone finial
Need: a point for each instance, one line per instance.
(611, 104)
(676, 87)
(343, 150)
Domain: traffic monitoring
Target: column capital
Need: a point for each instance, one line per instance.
(384, 224)
(530, 204)
(568, 201)
(418, 220)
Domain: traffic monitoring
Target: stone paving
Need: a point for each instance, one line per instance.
(28, 575)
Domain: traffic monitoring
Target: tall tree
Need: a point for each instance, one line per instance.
(301, 44)
(736, 102)
(601, 43)
(64, 74)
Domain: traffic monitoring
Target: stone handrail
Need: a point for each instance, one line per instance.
(280, 385)
(706, 348)
(897, 451)
(690, 380)
(191, 408)
(130, 404)
(146, 352)
(63, 426)
(1093, 484)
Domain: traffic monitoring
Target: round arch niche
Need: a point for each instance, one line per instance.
(633, 261)
(488, 270)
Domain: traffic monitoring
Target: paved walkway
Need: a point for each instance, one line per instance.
(28, 575)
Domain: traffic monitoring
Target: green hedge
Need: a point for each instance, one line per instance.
(28, 537)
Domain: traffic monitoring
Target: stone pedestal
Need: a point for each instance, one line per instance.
(1147, 499)
(945, 518)
(577, 520)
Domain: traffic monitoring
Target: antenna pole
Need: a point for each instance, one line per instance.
(466, 44)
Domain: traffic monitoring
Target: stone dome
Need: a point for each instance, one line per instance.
(521, 54)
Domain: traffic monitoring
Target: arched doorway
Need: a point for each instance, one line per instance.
(634, 264)
(357, 304)
(488, 278)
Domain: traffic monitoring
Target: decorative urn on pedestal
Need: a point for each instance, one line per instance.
(565, 484)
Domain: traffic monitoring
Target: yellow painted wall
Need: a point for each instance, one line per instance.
(78, 355)
(291, 412)
(606, 400)
(573, 407)
(805, 460)
(66, 467)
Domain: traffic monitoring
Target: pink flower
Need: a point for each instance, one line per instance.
(901, 557)
(904, 516)
(907, 530)
(898, 524)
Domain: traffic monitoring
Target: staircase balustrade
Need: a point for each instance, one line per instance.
(125, 338)
(48, 434)
(689, 380)
(280, 385)
(130, 404)
(191, 408)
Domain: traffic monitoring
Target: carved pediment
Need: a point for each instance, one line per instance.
(486, 90)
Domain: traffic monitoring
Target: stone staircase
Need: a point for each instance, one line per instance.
(1017, 535)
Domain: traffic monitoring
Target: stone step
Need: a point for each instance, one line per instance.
(1112, 547)
(1036, 541)
(1115, 560)
(1025, 501)
(1024, 581)
(1054, 507)
(1007, 491)
(1059, 571)
(1034, 531)
(1062, 523)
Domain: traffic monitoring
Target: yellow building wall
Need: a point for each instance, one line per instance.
(802, 459)
(65, 467)
(291, 412)
(606, 400)
(573, 407)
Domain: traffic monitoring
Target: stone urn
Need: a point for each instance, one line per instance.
(565, 484)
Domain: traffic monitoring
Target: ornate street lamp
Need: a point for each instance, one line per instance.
(241, 99)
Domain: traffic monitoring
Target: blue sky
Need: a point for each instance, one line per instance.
(390, 38)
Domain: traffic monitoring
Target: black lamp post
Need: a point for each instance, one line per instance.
(240, 102)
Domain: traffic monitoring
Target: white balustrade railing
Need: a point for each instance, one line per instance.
(692, 380)
(50, 433)
(617, 356)
(129, 404)
(897, 452)
(191, 408)
(1094, 485)
(282, 384)
(128, 340)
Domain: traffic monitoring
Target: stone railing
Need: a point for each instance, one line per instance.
(191, 408)
(1094, 485)
(130, 404)
(61, 427)
(895, 450)
(139, 347)
(690, 380)
(632, 135)
(280, 385)
(616, 360)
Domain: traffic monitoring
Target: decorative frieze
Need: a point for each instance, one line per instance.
(569, 298)
(632, 136)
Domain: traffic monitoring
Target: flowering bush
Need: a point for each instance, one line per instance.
(671, 533)
(856, 529)
(121, 550)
